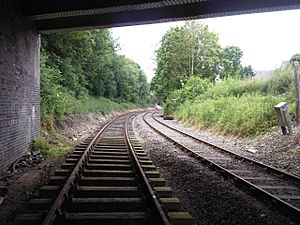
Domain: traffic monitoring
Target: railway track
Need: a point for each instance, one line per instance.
(273, 186)
(107, 180)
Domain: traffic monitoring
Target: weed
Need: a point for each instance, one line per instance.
(48, 149)
(234, 106)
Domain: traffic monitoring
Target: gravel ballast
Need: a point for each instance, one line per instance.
(206, 195)
(274, 149)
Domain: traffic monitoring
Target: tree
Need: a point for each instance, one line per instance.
(295, 58)
(248, 72)
(231, 62)
(189, 50)
(79, 64)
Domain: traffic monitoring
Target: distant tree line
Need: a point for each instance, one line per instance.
(192, 50)
(83, 64)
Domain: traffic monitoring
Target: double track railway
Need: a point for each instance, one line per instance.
(107, 180)
(263, 181)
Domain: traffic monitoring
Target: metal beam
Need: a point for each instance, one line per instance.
(63, 15)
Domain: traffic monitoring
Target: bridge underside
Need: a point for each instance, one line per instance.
(53, 16)
(22, 21)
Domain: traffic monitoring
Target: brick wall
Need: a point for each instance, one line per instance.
(19, 83)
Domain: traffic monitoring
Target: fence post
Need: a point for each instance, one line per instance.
(297, 88)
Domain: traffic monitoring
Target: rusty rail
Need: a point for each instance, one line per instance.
(162, 218)
(285, 207)
(55, 208)
(273, 169)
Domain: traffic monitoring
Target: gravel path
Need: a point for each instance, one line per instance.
(205, 194)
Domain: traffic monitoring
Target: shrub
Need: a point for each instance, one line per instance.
(48, 149)
(238, 106)
(250, 114)
(194, 87)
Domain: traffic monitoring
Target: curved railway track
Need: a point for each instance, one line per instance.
(107, 180)
(263, 181)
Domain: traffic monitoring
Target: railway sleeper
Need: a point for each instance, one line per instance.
(109, 191)
(49, 190)
(108, 204)
(106, 218)
(111, 147)
(157, 182)
(62, 172)
(110, 153)
(109, 156)
(107, 166)
(106, 161)
(57, 180)
(34, 218)
(111, 150)
(40, 203)
(180, 218)
(146, 162)
(107, 181)
(105, 173)
(72, 160)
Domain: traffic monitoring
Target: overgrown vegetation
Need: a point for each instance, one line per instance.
(234, 106)
(206, 85)
(82, 72)
(192, 50)
(48, 149)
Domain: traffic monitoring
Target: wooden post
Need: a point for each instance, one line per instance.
(297, 88)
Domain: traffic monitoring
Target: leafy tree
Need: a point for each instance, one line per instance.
(295, 58)
(248, 72)
(190, 50)
(194, 87)
(231, 62)
(78, 64)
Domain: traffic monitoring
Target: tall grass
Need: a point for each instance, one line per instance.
(98, 105)
(238, 106)
(251, 114)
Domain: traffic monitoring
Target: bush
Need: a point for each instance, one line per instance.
(238, 106)
(194, 87)
(251, 114)
(48, 149)
(98, 105)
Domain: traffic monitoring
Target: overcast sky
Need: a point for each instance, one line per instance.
(266, 39)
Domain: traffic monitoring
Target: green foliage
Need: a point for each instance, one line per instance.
(234, 106)
(251, 114)
(77, 65)
(231, 62)
(184, 52)
(281, 81)
(48, 149)
(295, 58)
(98, 105)
(192, 50)
(53, 95)
(194, 87)
(247, 72)
(278, 84)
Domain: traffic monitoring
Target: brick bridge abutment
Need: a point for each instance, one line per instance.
(19, 83)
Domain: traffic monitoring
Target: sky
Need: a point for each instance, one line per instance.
(266, 39)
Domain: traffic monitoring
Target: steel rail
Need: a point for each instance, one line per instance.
(271, 168)
(289, 210)
(151, 194)
(55, 207)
